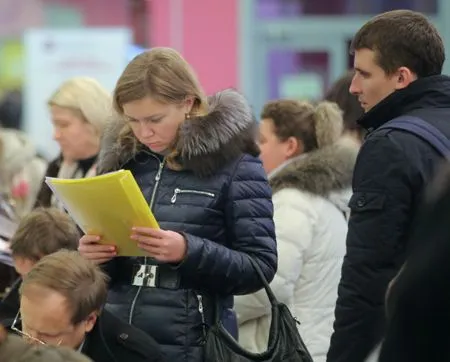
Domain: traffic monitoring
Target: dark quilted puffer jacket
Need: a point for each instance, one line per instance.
(221, 203)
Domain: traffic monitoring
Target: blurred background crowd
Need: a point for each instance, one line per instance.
(60, 61)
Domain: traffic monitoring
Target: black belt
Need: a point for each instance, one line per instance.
(157, 276)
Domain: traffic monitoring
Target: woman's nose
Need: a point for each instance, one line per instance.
(147, 129)
(56, 134)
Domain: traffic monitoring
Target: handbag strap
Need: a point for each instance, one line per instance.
(272, 299)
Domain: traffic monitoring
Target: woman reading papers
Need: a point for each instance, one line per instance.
(196, 162)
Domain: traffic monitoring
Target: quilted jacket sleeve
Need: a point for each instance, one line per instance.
(294, 223)
(251, 235)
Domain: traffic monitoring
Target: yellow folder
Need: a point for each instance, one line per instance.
(108, 205)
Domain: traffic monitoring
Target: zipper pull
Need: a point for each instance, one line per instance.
(158, 174)
(202, 315)
(174, 197)
(200, 304)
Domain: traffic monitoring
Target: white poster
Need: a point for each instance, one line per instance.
(55, 55)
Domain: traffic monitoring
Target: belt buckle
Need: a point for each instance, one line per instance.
(144, 275)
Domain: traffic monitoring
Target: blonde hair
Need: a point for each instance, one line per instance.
(329, 123)
(164, 75)
(86, 98)
(316, 126)
(80, 281)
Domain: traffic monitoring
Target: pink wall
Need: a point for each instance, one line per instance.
(206, 33)
(98, 12)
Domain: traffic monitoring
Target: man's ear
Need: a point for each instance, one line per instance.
(404, 77)
(90, 321)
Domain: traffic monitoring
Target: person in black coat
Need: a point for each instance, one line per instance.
(61, 302)
(110, 339)
(398, 64)
(195, 159)
(418, 298)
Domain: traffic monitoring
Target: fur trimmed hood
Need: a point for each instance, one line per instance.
(205, 144)
(322, 172)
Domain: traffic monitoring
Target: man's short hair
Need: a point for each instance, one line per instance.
(44, 231)
(402, 38)
(79, 280)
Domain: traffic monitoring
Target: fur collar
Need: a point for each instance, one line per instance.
(205, 144)
(320, 172)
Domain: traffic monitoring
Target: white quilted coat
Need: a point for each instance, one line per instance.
(310, 200)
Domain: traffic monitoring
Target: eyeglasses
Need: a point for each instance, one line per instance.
(26, 335)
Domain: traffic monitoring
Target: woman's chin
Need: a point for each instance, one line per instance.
(157, 148)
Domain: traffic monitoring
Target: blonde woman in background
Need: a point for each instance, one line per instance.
(79, 109)
(310, 169)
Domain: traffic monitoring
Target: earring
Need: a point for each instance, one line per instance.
(188, 116)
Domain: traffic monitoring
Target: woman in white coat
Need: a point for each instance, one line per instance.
(310, 168)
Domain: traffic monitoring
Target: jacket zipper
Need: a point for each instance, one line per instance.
(197, 192)
(152, 200)
(202, 314)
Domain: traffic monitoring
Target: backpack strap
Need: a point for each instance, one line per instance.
(422, 129)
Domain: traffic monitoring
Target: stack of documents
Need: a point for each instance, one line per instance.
(108, 205)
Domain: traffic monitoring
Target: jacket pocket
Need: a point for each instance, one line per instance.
(372, 225)
(178, 192)
(362, 201)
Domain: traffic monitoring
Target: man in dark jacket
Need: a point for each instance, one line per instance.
(398, 63)
(61, 301)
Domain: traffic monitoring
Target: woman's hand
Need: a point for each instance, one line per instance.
(90, 248)
(163, 245)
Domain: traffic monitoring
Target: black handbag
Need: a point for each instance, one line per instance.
(284, 345)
